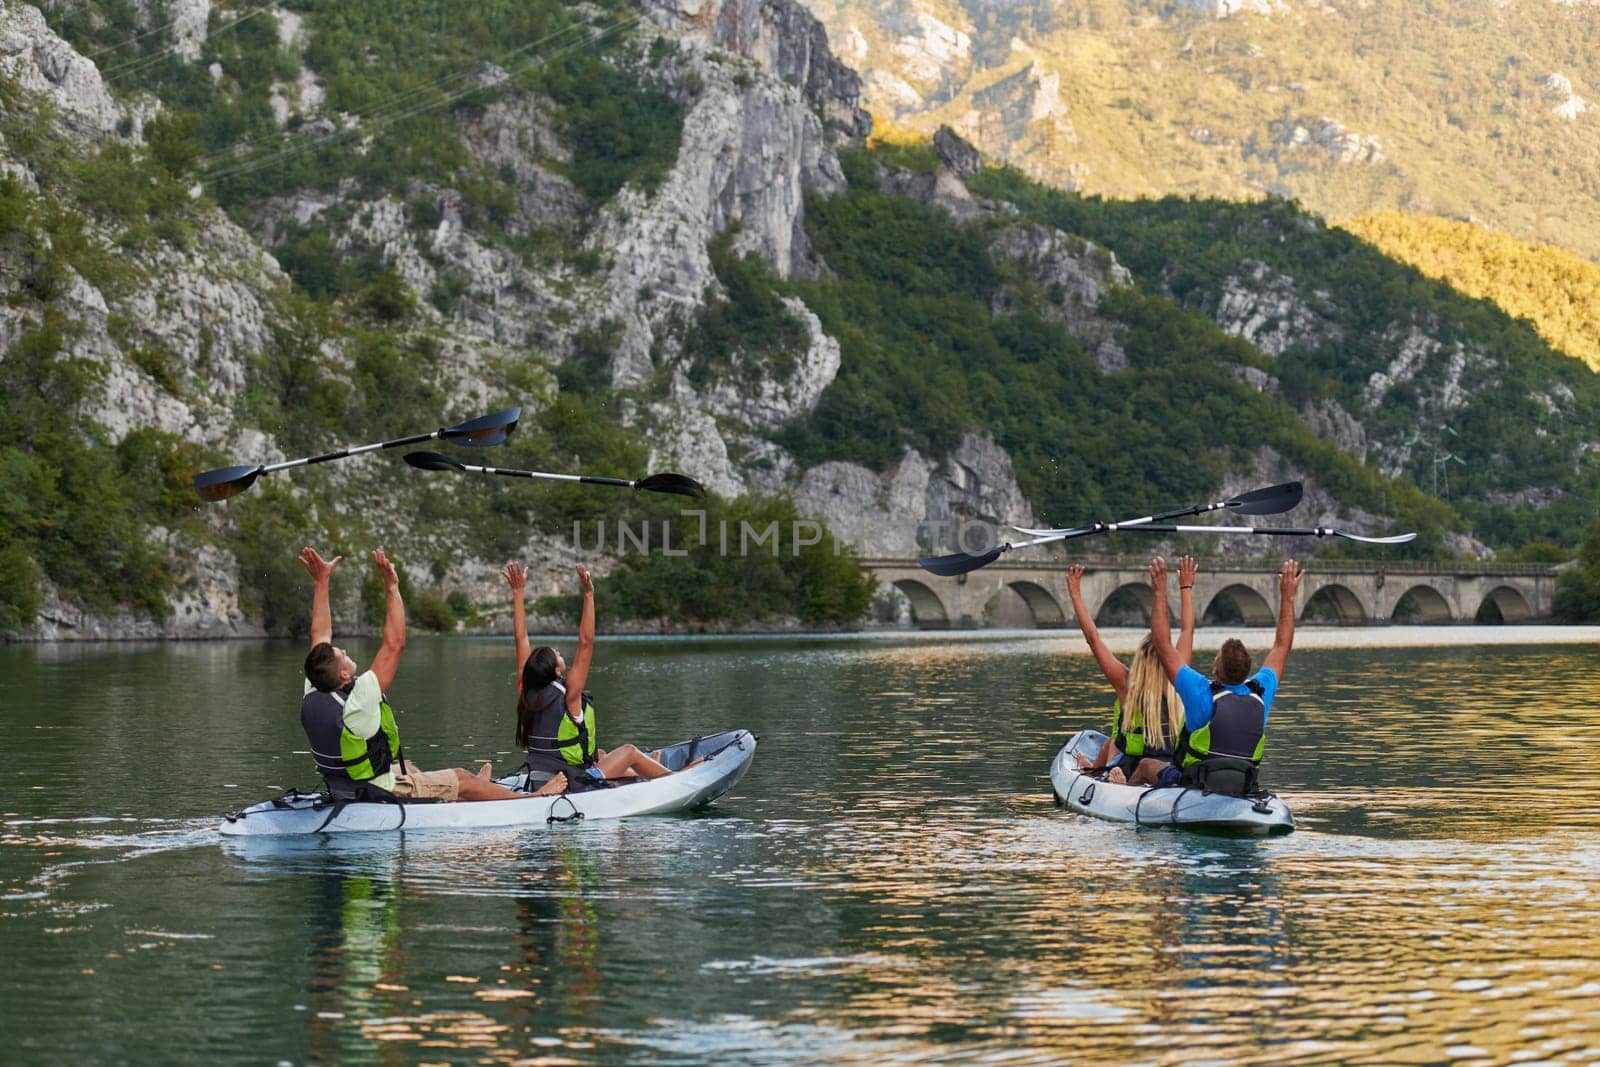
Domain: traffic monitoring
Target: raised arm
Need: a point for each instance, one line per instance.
(578, 671)
(1186, 571)
(387, 661)
(1160, 624)
(1110, 665)
(1288, 585)
(321, 571)
(516, 576)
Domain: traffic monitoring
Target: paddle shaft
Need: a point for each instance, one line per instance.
(512, 472)
(1287, 531)
(352, 451)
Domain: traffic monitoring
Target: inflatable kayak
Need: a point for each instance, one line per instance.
(1083, 792)
(726, 757)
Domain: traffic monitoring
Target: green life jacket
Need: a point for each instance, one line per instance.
(1238, 727)
(1132, 741)
(338, 752)
(556, 742)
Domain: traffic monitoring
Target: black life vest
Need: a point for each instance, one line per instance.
(1238, 727)
(340, 754)
(555, 742)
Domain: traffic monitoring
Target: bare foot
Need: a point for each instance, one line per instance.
(693, 763)
(656, 755)
(1083, 761)
(558, 784)
(1118, 777)
(486, 771)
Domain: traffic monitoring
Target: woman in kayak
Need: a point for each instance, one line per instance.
(555, 717)
(1148, 715)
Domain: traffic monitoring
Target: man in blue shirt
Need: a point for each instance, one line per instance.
(1225, 715)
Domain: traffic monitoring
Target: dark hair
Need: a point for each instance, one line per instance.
(538, 672)
(322, 667)
(1233, 662)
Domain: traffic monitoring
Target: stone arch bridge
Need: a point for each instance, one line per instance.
(1246, 592)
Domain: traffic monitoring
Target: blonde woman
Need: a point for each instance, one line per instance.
(1147, 714)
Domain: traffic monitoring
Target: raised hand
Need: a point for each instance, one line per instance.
(319, 569)
(1289, 576)
(585, 581)
(1075, 581)
(516, 576)
(391, 579)
(1186, 571)
(1158, 574)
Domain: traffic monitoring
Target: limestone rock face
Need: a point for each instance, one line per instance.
(888, 514)
(1265, 308)
(752, 148)
(762, 399)
(39, 61)
(1074, 274)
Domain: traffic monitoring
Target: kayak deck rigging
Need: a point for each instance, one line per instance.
(1088, 792)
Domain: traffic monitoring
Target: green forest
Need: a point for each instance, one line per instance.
(908, 293)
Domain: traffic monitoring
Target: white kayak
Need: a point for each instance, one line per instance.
(1174, 805)
(726, 757)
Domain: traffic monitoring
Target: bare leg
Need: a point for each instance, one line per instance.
(472, 787)
(1107, 752)
(1117, 776)
(1148, 772)
(627, 760)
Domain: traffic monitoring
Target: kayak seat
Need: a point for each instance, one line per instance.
(1229, 775)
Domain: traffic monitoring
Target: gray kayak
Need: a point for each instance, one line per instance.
(1087, 794)
(726, 757)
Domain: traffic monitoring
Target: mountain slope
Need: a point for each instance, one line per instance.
(1555, 290)
(658, 232)
(1480, 109)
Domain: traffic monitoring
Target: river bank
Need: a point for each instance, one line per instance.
(1121, 639)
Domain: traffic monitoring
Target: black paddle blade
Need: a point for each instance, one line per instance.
(681, 484)
(224, 482)
(959, 562)
(1273, 500)
(486, 430)
(432, 461)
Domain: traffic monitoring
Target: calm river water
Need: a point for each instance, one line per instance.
(890, 883)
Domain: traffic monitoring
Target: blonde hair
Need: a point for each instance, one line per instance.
(1148, 694)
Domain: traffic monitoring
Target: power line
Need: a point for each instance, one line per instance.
(388, 104)
(384, 121)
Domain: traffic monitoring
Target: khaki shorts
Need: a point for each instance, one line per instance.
(422, 785)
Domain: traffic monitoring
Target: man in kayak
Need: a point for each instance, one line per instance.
(354, 738)
(1225, 716)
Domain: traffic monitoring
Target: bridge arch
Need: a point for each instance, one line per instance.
(927, 610)
(1334, 603)
(1046, 609)
(1129, 604)
(1512, 605)
(1426, 605)
(1238, 604)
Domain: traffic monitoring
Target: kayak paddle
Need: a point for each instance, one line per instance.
(665, 482)
(481, 432)
(1272, 500)
(1282, 531)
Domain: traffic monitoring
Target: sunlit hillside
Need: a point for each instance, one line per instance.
(1555, 290)
(1479, 109)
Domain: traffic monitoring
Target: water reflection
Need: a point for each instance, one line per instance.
(890, 884)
